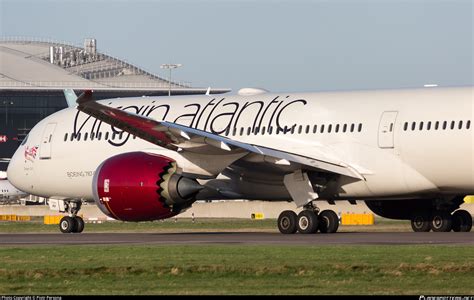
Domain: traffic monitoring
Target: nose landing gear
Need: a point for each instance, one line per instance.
(71, 224)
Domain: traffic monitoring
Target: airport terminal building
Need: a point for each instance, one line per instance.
(34, 72)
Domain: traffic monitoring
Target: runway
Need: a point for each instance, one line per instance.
(239, 238)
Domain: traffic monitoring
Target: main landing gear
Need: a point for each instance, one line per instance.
(310, 220)
(442, 221)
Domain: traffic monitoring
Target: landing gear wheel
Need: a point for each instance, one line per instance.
(462, 221)
(441, 221)
(67, 224)
(307, 222)
(80, 225)
(287, 222)
(421, 223)
(328, 221)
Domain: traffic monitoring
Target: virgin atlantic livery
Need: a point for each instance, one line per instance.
(407, 153)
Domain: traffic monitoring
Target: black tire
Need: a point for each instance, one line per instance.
(67, 224)
(421, 223)
(80, 225)
(462, 221)
(307, 222)
(287, 222)
(328, 221)
(441, 221)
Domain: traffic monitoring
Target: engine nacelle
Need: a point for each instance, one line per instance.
(139, 186)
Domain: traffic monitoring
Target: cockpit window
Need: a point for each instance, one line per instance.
(25, 140)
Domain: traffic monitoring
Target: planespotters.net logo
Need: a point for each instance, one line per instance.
(30, 153)
(446, 297)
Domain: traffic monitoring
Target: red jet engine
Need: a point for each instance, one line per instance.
(139, 186)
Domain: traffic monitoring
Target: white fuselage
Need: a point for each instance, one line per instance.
(404, 142)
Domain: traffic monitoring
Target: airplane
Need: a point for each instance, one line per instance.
(9, 193)
(3, 166)
(407, 153)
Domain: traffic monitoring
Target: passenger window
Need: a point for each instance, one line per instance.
(72, 137)
(307, 129)
(452, 125)
(413, 126)
(344, 128)
(78, 136)
(322, 128)
(241, 131)
(329, 128)
(270, 129)
(315, 128)
(85, 136)
(460, 125)
(360, 127)
(107, 136)
(300, 129)
(337, 128)
(405, 126)
(445, 125)
(248, 130)
(421, 126)
(468, 124)
(263, 130)
(92, 136)
(391, 127)
(437, 125)
(352, 127)
(65, 137)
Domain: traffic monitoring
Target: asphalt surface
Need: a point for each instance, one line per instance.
(239, 238)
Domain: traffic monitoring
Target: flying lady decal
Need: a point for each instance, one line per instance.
(30, 153)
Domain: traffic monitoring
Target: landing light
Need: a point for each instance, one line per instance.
(430, 85)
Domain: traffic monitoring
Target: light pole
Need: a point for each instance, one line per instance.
(170, 67)
(6, 103)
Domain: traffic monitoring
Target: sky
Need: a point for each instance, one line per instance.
(281, 46)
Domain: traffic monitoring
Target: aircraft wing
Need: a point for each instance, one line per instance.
(178, 138)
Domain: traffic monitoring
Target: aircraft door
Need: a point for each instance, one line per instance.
(46, 145)
(387, 129)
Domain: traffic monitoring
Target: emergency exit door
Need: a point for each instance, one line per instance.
(46, 145)
(387, 129)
